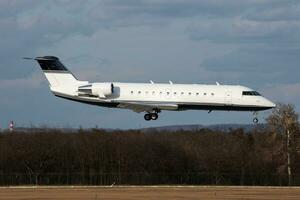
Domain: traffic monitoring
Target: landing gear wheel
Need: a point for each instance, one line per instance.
(154, 116)
(147, 117)
(255, 120)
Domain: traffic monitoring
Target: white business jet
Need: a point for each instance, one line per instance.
(151, 98)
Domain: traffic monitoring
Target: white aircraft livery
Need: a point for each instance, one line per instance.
(151, 98)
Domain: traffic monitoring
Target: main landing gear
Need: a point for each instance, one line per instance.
(151, 116)
(255, 119)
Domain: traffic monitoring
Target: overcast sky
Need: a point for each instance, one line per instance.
(250, 42)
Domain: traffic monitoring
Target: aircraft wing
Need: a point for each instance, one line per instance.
(147, 107)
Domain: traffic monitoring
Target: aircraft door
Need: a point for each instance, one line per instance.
(228, 98)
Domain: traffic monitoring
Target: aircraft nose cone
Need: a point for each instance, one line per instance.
(270, 104)
(273, 105)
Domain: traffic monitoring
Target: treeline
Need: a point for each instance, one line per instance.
(98, 157)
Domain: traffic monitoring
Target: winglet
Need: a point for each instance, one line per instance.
(151, 82)
(171, 82)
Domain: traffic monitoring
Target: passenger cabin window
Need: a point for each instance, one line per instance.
(250, 93)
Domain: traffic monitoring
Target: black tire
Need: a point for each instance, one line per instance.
(147, 117)
(255, 120)
(154, 116)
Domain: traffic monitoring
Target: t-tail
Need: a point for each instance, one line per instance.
(62, 81)
(56, 73)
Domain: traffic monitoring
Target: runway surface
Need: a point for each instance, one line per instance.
(150, 193)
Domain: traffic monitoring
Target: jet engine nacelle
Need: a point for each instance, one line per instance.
(101, 90)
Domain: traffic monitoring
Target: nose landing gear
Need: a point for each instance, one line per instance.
(255, 119)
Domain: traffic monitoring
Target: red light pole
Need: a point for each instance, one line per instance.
(11, 126)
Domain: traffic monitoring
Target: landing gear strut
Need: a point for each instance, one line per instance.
(255, 119)
(152, 115)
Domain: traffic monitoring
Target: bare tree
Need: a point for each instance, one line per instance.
(284, 120)
(203, 156)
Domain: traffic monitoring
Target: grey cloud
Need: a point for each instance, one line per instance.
(12, 8)
(253, 42)
(289, 11)
(258, 64)
(119, 13)
(185, 8)
(264, 22)
(287, 93)
(31, 82)
(23, 33)
(239, 30)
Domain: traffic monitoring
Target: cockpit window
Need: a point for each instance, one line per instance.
(250, 93)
